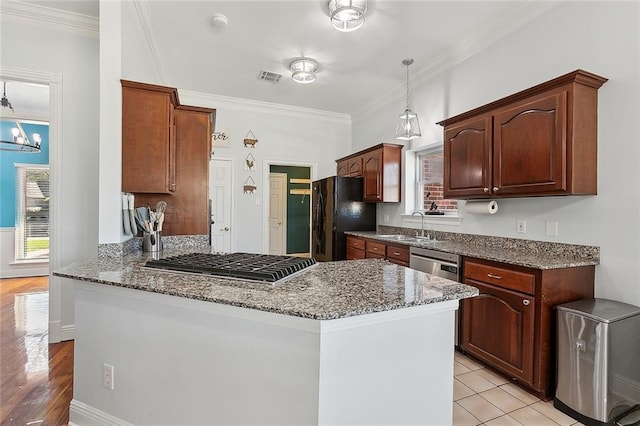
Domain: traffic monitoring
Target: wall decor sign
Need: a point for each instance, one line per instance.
(250, 140)
(249, 186)
(250, 163)
(221, 138)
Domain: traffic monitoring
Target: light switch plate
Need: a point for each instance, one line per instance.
(521, 226)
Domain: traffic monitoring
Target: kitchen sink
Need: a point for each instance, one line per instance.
(406, 238)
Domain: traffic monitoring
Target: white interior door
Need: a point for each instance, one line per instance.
(277, 213)
(220, 175)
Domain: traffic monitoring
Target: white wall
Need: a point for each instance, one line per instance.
(286, 134)
(43, 48)
(571, 36)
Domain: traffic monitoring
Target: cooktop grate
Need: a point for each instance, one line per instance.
(247, 266)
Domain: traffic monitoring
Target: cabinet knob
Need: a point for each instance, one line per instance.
(525, 302)
(486, 189)
(494, 276)
(496, 189)
(173, 186)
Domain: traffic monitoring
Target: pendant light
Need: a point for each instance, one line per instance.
(408, 127)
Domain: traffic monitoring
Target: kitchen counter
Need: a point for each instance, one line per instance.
(327, 290)
(532, 254)
(350, 342)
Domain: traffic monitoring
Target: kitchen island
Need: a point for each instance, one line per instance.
(351, 342)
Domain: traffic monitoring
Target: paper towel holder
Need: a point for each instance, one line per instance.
(481, 207)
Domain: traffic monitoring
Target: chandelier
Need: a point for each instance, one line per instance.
(17, 139)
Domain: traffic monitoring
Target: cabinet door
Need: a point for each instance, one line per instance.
(372, 172)
(342, 168)
(354, 253)
(148, 163)
(530, 146)
(355, 167)
(467, 159)
(497, 327)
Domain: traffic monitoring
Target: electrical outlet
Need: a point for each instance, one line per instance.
(551, 228)
(107, 376)
(521, 226)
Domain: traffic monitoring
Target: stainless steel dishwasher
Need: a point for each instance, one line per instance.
(434, 262)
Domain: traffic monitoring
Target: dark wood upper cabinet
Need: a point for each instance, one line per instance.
(541, 141)
(186, 151)
(148, 138)
(380, 166)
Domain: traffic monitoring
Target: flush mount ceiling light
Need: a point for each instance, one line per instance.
(347, 15)
(303, 70)
(408, 127)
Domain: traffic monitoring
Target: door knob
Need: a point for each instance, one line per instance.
(226, 228)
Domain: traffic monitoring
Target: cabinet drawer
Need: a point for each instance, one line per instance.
(355, 242)
(501, 277)
(354, 253)
(373, 255)
(376, 248)
(400, 254)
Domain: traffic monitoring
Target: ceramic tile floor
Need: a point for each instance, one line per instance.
(482, 397)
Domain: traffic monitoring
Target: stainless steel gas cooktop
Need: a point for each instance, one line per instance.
(246, 266)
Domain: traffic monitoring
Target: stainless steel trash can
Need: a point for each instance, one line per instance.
(598, 360)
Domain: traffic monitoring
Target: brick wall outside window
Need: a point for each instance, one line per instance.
(430, 181)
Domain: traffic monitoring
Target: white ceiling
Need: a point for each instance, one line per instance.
(358, 70)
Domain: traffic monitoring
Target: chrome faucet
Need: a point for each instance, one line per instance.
(422, 224)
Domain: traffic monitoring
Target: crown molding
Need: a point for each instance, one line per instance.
(248, 105)
(147, 28)
(48, 17)
(473, 45)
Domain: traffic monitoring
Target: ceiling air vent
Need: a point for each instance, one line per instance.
(269, 76)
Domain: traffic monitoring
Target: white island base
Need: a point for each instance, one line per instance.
(179, 361)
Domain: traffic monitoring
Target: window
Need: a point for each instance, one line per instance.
(429, 182)
(32, 215)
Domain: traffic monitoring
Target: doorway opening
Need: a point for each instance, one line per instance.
(288, 208)
(24, 173)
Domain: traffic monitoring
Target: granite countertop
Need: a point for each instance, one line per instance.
(532, 254)
(325, 291)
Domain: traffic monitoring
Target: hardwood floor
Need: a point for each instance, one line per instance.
(36, 378)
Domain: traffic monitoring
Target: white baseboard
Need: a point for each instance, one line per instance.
(81, 414)
(55, 333)
(25, 271)
(67, 332)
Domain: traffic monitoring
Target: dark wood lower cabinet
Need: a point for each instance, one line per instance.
(509, 344)
(511, 324)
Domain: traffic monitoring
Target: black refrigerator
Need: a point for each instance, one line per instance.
(338, 207)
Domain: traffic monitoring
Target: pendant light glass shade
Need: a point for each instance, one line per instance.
(347, 15)
(408, 127)
(303, 70)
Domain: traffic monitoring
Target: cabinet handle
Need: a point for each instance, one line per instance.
(486, 190)
(494, 276)
(525, 302)
(396, 253)
(496, 189)
(375, 249)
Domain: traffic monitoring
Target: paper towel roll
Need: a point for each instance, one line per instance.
(481, 207)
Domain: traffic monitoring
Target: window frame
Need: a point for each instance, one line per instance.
(21, 211)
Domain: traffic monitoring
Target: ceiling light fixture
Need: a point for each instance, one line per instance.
(303, 70)
(408, 127)
(347, 15)
(17, 140)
